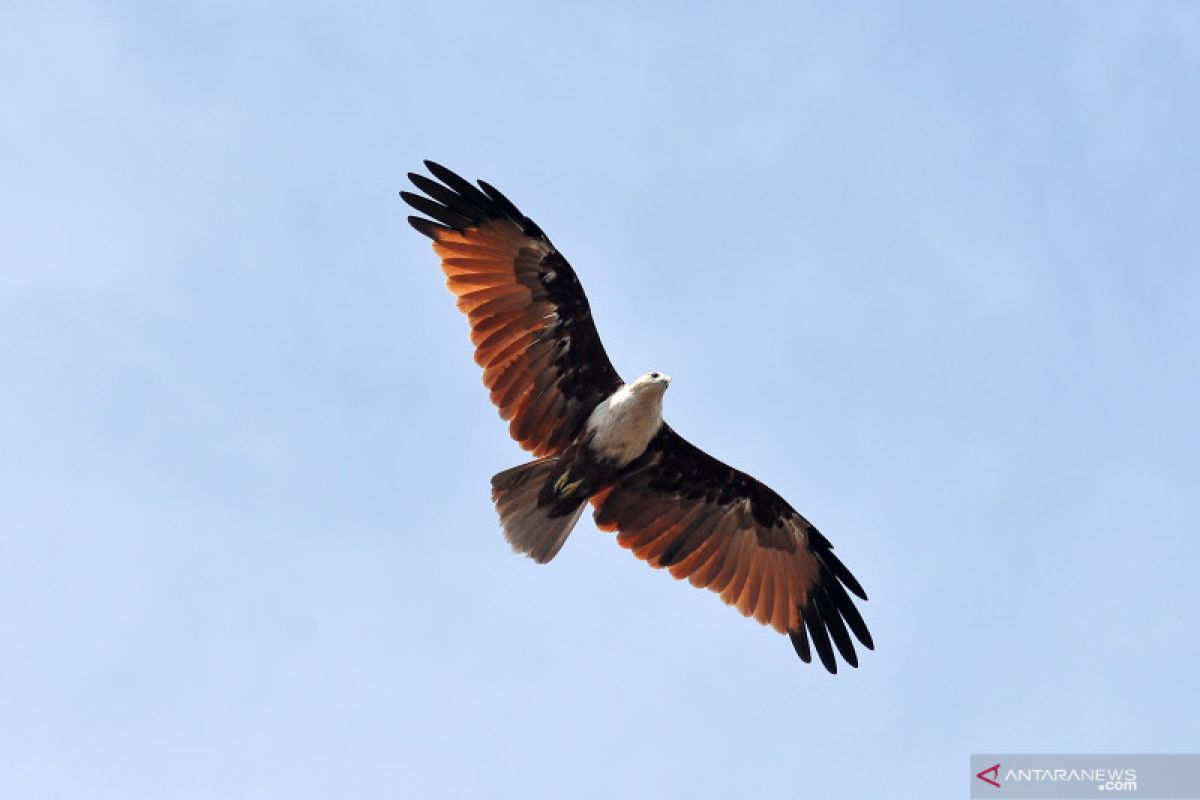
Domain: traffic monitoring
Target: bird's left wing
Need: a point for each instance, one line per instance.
(680, 508)
(530, 321)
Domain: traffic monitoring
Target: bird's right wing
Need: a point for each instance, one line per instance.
(530, 321)
(678, 507)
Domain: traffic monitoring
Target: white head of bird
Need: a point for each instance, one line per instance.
(651, 381)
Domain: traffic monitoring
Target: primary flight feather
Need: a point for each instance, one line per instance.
(598, 439)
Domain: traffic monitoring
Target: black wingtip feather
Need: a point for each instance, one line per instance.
(843, 572)
(849, 612)
(800, 643)
(427, 227)
(820, 636)
(499, 199)
(448, 197)
(459, 184)
(436, 210)
(837, 628)
(529, 227)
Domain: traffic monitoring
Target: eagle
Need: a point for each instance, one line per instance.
(601, 441)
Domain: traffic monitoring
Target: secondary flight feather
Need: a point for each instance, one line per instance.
(599, 440)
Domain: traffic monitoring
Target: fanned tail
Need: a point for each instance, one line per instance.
(538, 531)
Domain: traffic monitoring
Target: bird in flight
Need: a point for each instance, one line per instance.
(597, 439)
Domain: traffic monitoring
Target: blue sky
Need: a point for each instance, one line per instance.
(931, 272)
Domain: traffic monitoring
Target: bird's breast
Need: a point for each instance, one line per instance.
(623, 425)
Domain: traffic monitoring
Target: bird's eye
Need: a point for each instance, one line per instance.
(653, 374)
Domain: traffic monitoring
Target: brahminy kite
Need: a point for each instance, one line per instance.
(598, 439)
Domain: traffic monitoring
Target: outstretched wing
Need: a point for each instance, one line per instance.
(680, 508)
(530, 321)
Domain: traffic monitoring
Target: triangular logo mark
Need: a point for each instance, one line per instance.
(994, 771)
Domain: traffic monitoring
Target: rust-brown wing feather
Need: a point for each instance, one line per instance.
(543, 361)
(680, 508)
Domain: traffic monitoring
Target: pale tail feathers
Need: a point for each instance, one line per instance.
(529, 529)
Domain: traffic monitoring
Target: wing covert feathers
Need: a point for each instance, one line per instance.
(680, 508)
(543, 362)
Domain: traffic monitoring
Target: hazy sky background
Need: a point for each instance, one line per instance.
(931, 272)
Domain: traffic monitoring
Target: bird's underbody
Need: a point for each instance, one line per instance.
(616, 433)
(603, 441)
